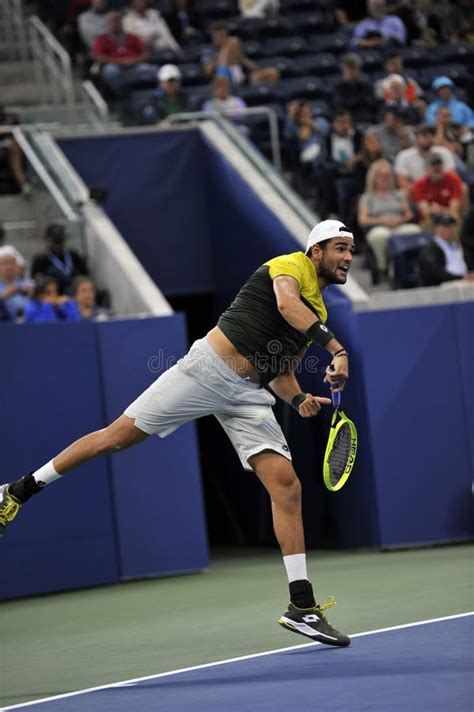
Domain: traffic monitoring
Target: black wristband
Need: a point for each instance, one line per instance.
(341, 352)
(319, 333)
(297, 400)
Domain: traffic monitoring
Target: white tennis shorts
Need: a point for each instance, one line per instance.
(201, 384)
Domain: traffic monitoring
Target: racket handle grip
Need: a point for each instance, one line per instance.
(336, 398)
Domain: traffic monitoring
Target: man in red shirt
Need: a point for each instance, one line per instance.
(117, 53)
(439, 192)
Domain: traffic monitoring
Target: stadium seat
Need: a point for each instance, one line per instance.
(459, 53)
(416, 56)
(333, 43)
(291, 6)
(247, 28)
(196, 96)
(254, 49)
(166, 56)
(276, 27)
(141, 79)
(191, 74)
(285, 65)
(308, 22)
(404, 251)
(300, 88)
(322, 63)
(216, 9)
(284, 45)
(139, 109)
(257, 95)
(371, 59)
(319, 107)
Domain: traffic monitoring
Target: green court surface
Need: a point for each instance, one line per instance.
(58, 643)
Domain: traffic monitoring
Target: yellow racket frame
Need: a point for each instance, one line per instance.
(335, 426)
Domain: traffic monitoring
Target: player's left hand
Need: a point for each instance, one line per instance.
(337, 373)
(312, 405)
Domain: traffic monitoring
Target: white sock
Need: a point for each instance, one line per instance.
(295, 565)
(46, 474)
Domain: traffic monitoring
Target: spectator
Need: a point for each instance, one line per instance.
(341, 151)
(58, 262)
(305, 131)
(446, 134)
(227, 52)
(371, 152)
(259, 8)
(439, 192)
(383, 211)
(422, 26)
(410, 164)
(394, 65)
(84, 294)
(354, 92)
(223, 101)
(461, 113)
(169, 99)
(394, 90)
(442, 259)
(47, 305)
(394, 136)
(182, 22)
(12, 174)
(150, 26)
(118, 53)
(378, 29)
(14, 288)
(92, 23)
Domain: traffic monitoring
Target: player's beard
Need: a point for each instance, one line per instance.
(329, 273)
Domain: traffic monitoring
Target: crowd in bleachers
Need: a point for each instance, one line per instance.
(373, 97)
(58, 287)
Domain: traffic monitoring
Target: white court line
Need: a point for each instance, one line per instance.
(225, 662)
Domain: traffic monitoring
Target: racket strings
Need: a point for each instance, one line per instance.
(340, 453)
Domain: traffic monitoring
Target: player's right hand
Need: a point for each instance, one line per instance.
(312, 405)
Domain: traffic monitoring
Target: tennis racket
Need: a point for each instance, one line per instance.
(341, 449)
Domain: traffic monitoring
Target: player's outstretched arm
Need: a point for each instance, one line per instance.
(297, 314)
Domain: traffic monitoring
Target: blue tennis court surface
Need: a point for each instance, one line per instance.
(417, 668)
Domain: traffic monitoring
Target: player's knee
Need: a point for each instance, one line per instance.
(287, 491)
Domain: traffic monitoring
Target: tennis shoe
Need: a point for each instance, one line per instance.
(312, 623)
(9, 508)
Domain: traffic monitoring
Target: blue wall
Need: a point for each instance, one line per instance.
(109, 520)
(197, 227)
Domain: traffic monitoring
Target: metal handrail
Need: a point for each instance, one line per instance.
(43, 175)
(52, 65)
(12, 12)
(95, 99)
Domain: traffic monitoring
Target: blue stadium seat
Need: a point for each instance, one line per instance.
(285, 65)
(139, 109)
(308, 22)
(257, 95)
(291, 6)
(196, 96)
(247, 28)
(319, 107)
(288, 46)
(460, 53)
(417, 56)
(371, 59)
(138, 79)
(333, 43)
(254, 49)
(276, 27)
(216, 9)
(192, 74)
(404, 251)
(300, 88)
(322, 63)
(166, 56)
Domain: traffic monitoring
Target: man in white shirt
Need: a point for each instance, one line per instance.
(410, 164)
(149, 25)
(93, 22)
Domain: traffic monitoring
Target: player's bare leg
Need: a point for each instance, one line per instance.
(119, 435)
(303, 615)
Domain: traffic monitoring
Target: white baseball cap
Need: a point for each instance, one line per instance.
(326, 230)
(167, 72)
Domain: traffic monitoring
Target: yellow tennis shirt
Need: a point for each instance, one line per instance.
(255, 326)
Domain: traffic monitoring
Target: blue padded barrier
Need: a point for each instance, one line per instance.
(51, 395)
(137, 513)
(415, 408)
(157, 490)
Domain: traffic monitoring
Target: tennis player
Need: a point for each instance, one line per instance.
(258, 343)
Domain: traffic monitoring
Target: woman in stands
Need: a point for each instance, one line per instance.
(46, 304)
(383, 211)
